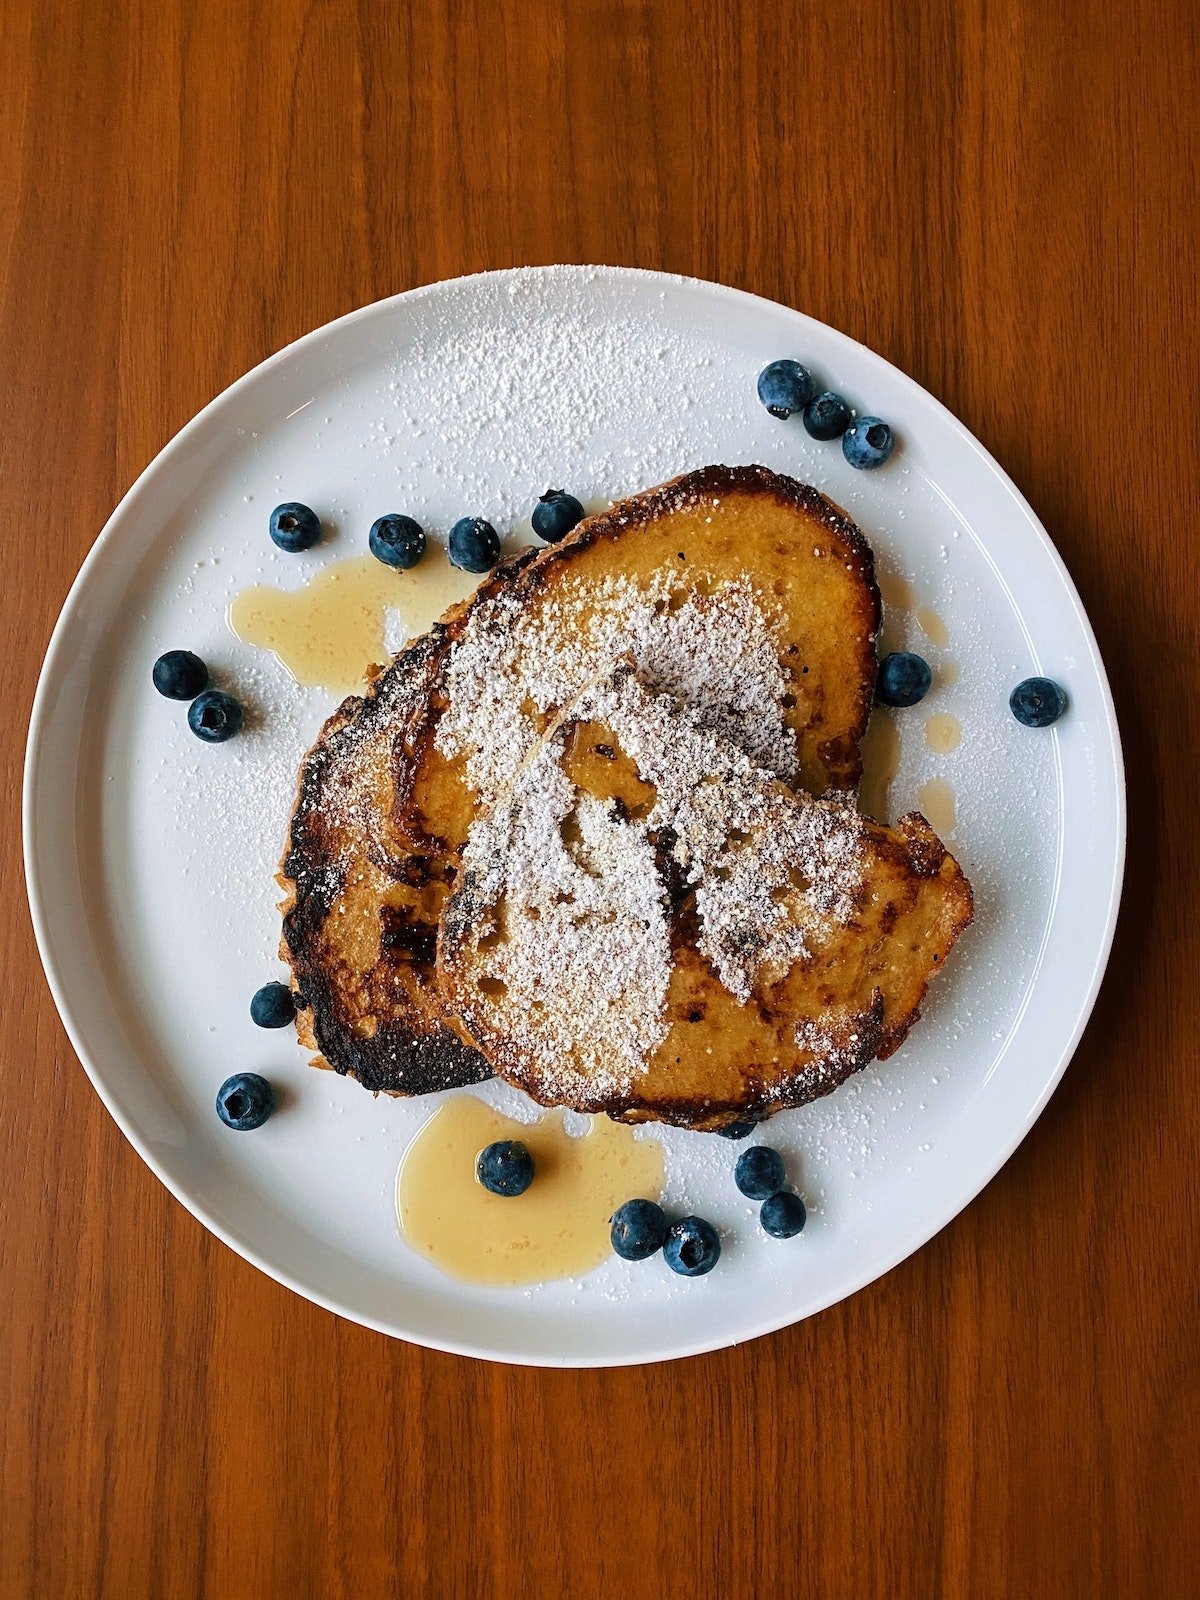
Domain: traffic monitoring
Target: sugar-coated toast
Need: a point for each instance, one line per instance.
(649, 925)
(749, 596)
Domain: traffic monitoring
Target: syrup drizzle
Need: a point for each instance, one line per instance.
(332, 631)
(559, 1228)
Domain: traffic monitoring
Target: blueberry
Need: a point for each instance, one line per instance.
(638, 1229)
(738, 1130)
(505, 1167)
(783, 1215)
(474, 545)
(826, 416)
(214, 717)
(868, 442)
(1038, 702)
(245, 1101)
(903, 679)
(759, 1172)
(692, 1247)
(295, 527)
(555, 514)
(273, 1006)
(784, 387)
(397, 541)
(179, 675)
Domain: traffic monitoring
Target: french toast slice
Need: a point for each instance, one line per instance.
(358, 956)
(650, 925)
(748, 594)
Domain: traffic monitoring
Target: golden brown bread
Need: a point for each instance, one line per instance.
(650, 926)
(386, 800)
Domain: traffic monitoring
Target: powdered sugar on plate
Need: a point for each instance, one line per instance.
(469, 402)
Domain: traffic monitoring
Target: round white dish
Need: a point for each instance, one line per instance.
(149, 856)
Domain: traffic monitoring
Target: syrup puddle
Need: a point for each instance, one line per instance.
(881, 749)
(897, 592)
(899, 595)
(559, 1228)
(932, 626)
(943, 733)
(881, 761)
(937, 805)
(329, 633)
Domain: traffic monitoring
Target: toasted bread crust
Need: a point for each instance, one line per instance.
(325, 860)
(380, 817)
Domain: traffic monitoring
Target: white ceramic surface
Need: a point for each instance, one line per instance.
(149, 856)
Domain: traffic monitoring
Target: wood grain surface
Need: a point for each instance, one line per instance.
(1001, 199)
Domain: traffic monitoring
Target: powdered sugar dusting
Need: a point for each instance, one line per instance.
(577, 953)
(521, 397)
(564, 913)
(834, 1051)
(770, 867)
(717, 650)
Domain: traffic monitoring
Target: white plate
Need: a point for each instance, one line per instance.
(149, 856)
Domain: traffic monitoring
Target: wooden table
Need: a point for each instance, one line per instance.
(999, 198)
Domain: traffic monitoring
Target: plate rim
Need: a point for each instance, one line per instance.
(41, 710)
